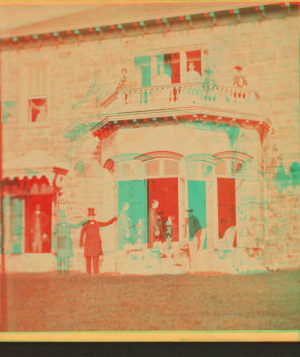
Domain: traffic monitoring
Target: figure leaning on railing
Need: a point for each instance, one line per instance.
(94, 90)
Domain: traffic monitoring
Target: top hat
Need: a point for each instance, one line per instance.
(62, 214)
(91, 212)
(238, 68)
(208, 71)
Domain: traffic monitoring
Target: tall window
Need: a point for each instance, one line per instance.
(178, 65)
(38, 94)
(171, 63)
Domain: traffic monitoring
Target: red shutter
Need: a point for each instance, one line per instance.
(175, 61)
(226, 205)
(194, 56)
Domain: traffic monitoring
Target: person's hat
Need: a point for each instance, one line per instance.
(238, 68)
(91, 212)
(208, 71)
(124, 70)
(62, 214)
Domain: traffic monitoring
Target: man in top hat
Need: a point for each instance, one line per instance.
(62, 243)
(194, 239)
(239, 82)
(91, 241)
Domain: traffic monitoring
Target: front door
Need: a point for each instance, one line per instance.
(165, 191)
(38, 224)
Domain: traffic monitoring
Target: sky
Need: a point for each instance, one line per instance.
(17, 15)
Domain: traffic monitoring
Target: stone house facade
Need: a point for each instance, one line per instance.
(91, 120)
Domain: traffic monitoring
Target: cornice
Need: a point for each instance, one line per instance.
(234, 16)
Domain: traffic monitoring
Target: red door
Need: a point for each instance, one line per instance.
(165, 191)
(38, 215)
(226, 205)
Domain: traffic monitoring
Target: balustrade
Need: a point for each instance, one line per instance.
(172, 96)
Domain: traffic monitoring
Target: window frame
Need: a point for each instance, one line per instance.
(181, 50)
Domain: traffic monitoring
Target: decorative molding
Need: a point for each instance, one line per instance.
(234, 155)
(206, 158)
(10, 38)
(159, 155)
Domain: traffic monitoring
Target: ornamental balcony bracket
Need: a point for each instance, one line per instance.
(197, 103)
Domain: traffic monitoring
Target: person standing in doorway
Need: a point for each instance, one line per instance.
(154, 226)
(39, 221)
(125, 225)
(91, 241)
(194, 239)
(62, 243)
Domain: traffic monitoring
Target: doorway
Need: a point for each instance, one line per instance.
(133, 223)
(165, 191)
(38, 219)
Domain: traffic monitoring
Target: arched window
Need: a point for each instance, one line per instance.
(123, 171)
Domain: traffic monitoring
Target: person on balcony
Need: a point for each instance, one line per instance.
(123, 86)
(239, 82)
(163, 79)
(192, 75)
(124, 83)
(91, 241)
(209, 82)
(93, 90)
(62, 243)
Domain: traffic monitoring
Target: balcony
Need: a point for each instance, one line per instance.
(176, 100)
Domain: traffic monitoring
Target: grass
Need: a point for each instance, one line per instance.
(46, 302)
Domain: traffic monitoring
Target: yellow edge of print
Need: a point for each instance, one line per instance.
(225, 336)
(133, 2)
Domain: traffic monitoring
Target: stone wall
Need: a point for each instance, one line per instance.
(267, 50)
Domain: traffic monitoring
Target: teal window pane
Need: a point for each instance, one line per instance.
(132, 223)
(16, 225)
(144, 64)
(197, 200)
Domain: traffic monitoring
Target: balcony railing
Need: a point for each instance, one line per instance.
(98, 108)
(172, 96)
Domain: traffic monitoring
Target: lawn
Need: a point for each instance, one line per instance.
(46, 302)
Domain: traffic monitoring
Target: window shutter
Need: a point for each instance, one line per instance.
(195, 57)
